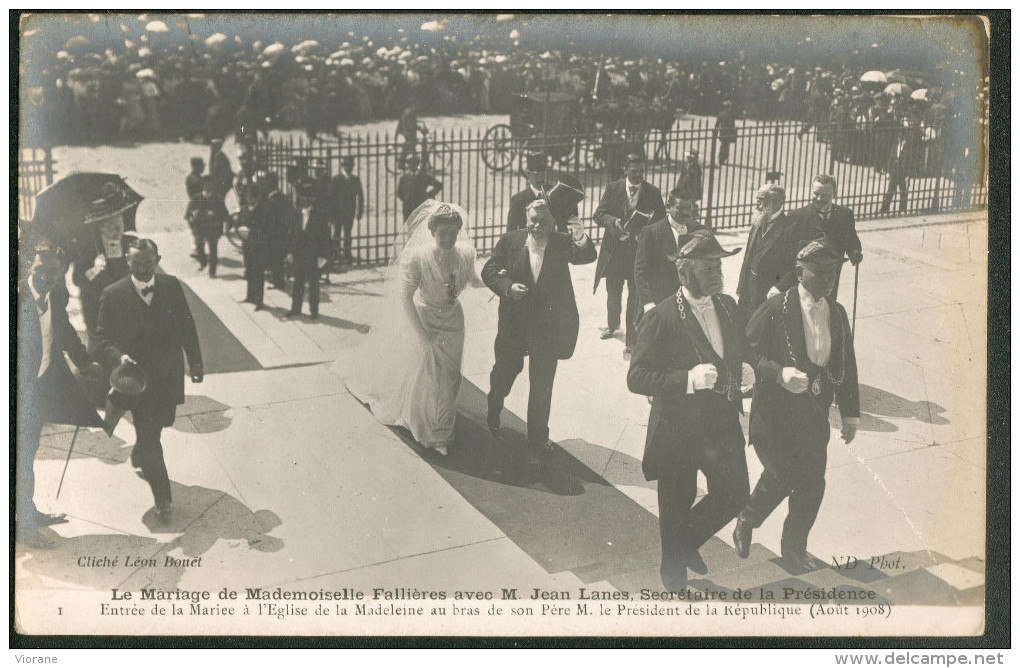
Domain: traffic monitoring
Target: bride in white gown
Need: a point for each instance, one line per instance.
(408, 369)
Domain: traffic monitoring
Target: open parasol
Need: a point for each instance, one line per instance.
(897, 89)
(64, 207)
(874, 76)
(920, 94)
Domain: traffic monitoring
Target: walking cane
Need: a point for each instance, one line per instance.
(68, 460)
(857, 276)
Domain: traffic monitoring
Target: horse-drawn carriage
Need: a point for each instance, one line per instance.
(547, 122)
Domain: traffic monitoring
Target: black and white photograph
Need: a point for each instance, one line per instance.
(500, 324)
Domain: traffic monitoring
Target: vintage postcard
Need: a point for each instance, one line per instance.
(322, 327)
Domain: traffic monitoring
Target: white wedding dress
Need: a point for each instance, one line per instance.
(408, 382)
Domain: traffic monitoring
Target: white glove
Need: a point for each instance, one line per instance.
(97, 268)
(321, 262)
(773, 291)
(746, 377)
(793, 380)
(703, 376)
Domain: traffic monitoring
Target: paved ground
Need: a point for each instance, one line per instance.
(282, 479)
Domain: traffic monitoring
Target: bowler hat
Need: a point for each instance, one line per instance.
(701, 245)
(821, 253)
(111, 201)
(127, 382)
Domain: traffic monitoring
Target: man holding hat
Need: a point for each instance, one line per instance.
(692, 358)
(145, 322)
(47, 391)
(804, 358)
(655, 272)
(769, 258)
(540, 180)
(529, 270)
(626, 207)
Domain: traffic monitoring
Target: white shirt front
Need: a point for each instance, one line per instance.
(139, 286)
(305, 215)
(536, 254)
(632, 200)
(816, 327)
(45, 328)
(703, 309)
(536, 191)
(677, 229)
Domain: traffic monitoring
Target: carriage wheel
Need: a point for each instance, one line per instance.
(498, 148)
(391, 158)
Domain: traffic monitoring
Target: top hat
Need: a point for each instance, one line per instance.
(821, 253)
(111, 202)
(537, 162)
(635, 156)
(701, 244)
(127, 382)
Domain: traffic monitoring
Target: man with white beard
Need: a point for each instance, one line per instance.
(768, 257)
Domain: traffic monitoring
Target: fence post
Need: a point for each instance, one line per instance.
(711, 179)
(49, 165)
(773, 175)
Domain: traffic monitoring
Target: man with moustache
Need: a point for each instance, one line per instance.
(47, 391)
(530, 271)
(655, 257)
(823, 219)
(144, 320)
(626, 207)
(804, 358)
(768, 258)
(692, 359)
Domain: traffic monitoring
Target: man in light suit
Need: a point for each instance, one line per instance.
(620, 201)
(823, 219)
(804, 359)
(47, 391)
(530, 271)
(144, 319)
(691, 357)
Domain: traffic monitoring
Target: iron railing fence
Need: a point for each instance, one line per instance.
(35, 172)
(481, 170)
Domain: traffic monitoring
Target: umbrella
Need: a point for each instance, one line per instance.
(156, 26)
(64, 206)
(273, 49)
(897, 89)
(305, 46)
(920, 94)
(216, 39)
(874, 76)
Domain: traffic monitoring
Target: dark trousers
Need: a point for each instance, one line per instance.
(276, 272)
(896, 182)
(306, 270)
(794, 470)
(614, 304)
(346, 226)
(147, 454)
(724, 151)
(210, 256)
(542, 370)
(683, 528)
(255, 275)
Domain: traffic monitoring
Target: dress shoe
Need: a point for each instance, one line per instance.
(695, 562)
(607, 333)
(742, 537)
(314, 316)
(801, 561)
(259, 307)
(45, 519)
(674, 576)
(163, 515)
(291, 314)
(492, 420)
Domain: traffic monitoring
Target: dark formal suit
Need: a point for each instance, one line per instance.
(789, 431)
(768, 259)
(691, 432)
(616, 257)
(258, 248)
(349, 200)
(221, 175)
(655, 274)
(157, 336)
(53, 396)
(806, 225)
(278, 214)
(543, 324)
(413, 189)
(308, 241)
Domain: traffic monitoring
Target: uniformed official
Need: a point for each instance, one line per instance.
(804, 357)
(692, 358)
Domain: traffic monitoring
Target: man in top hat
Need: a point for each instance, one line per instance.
(535, 172)
(144, 320)
(804, 358)
(308, 247)
(768, 258)
(416, 185)
(823, 218)
(349, 204)
(691, 182)
(47, 391)
(529, 270)
(100, 255)
(726, 129)
(692, 358)
(655, 272)
(626, 207)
